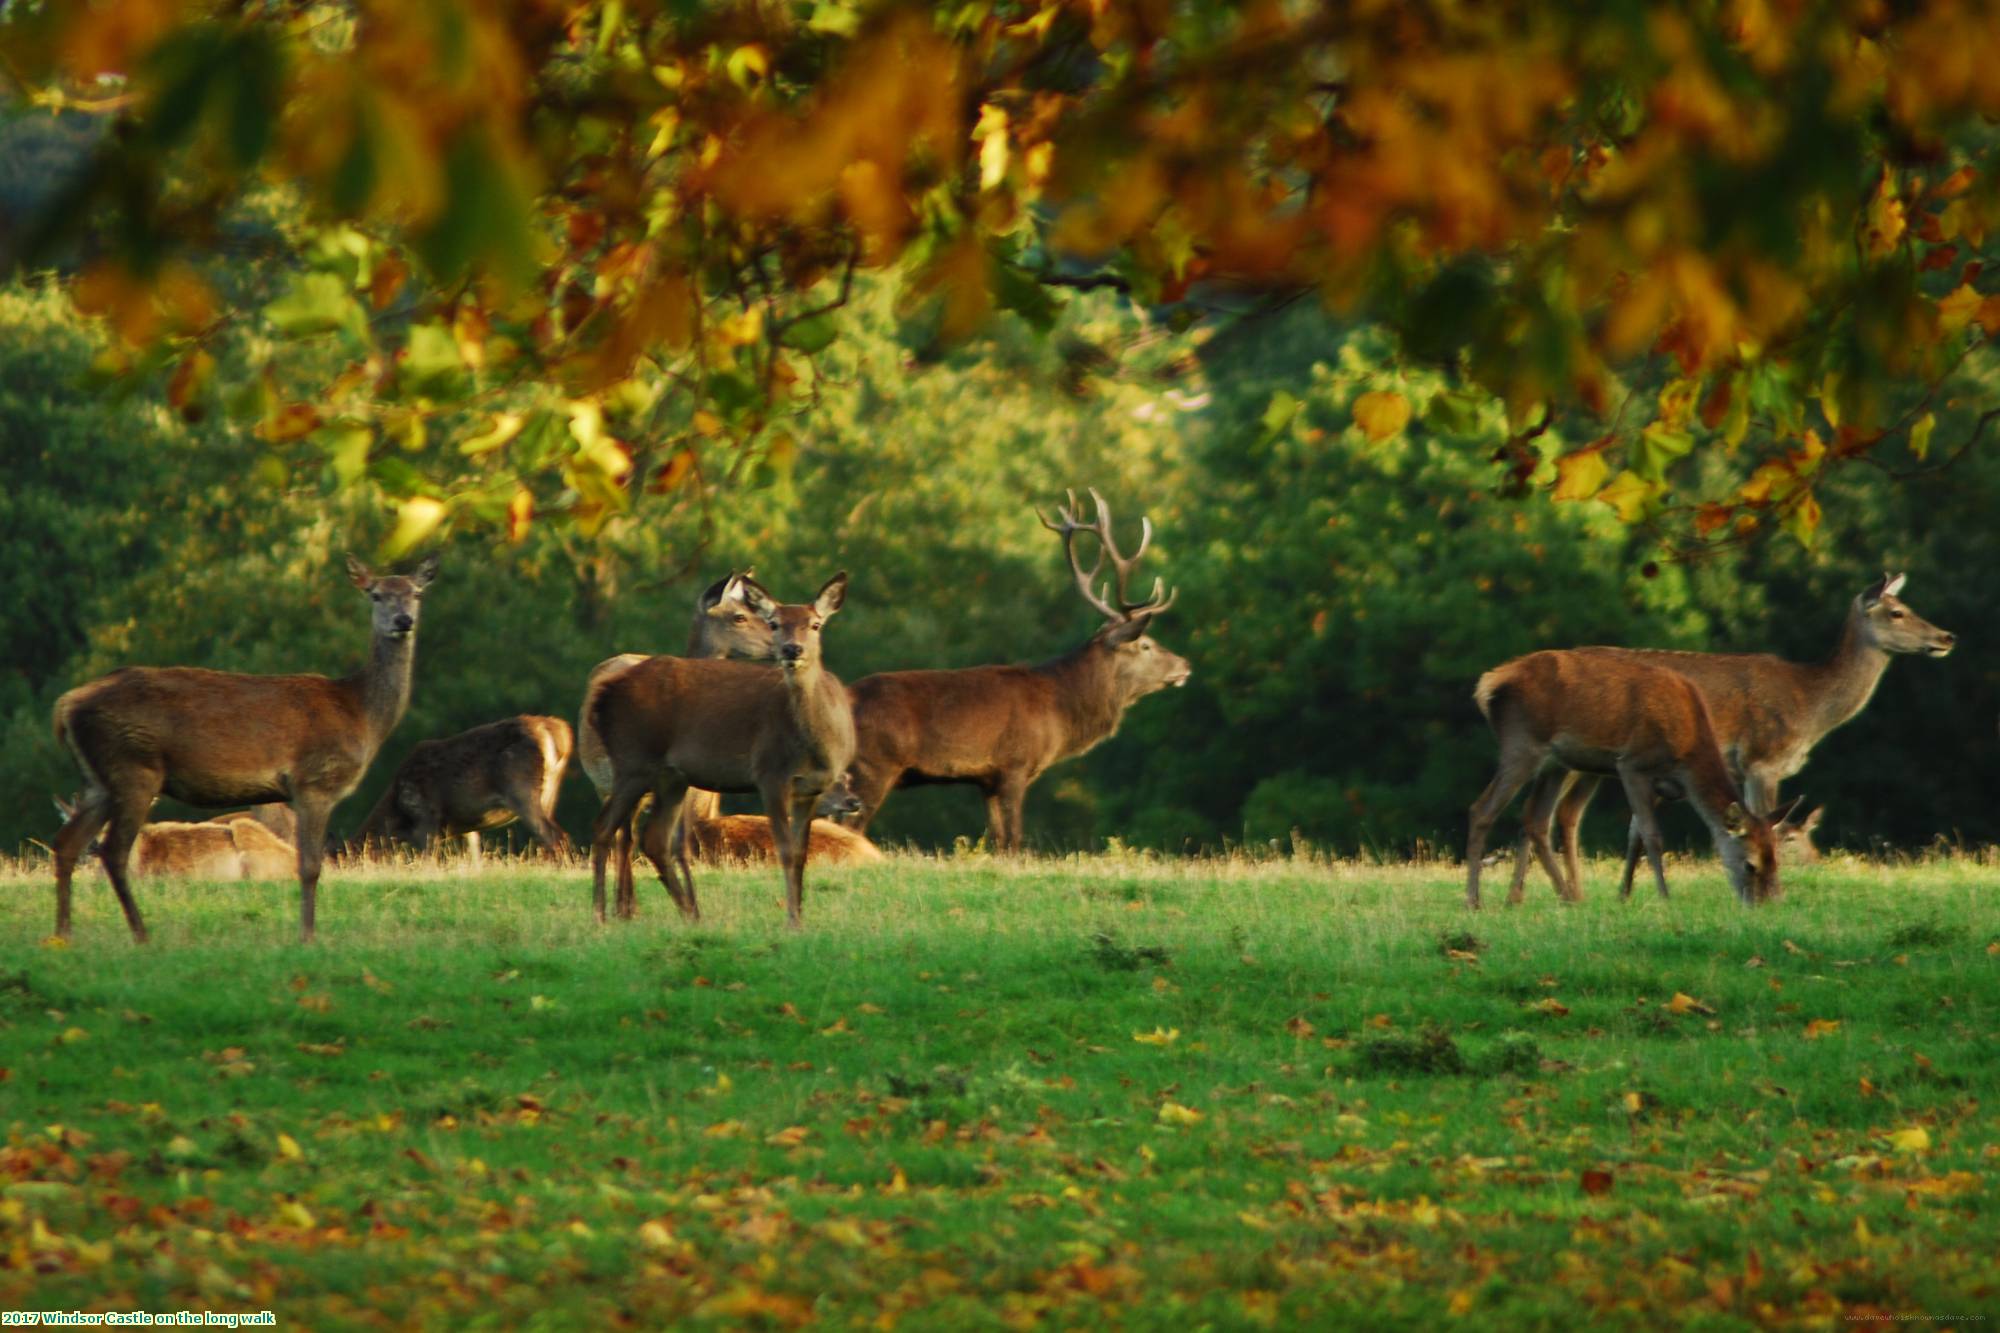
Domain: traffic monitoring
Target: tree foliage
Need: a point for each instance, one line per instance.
(556, 257)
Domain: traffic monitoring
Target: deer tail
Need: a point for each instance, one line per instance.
(1491, 688)
(65, 728)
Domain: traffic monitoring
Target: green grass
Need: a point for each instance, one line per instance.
(471, 1107)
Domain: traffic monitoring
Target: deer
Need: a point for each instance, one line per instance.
(1795, 836)
(211, 738)
(1609, 715)
(218, 849)
(271, 816)
(474, 781)
(1768, 713)
(672, 723)
(747, 838)
(724, 626)
(999, 728)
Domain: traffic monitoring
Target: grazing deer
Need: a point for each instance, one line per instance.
(211, 738)
(229, 848)
(1000, 727)
(747, 838)
(671, 723)
(477, 780)
(724, 626)
(1608, 715)
(1768, 713)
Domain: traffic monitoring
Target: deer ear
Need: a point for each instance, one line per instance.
(712, 596)
(1125, 631)
(753, 595)
(1784, 816)
(1735, 819)
(1812, 820)
(832, 596)
(426, 571)
(1894, 587)
(359, 573)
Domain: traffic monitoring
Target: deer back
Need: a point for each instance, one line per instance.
(708, 720)
(747, 839)
(261, 853)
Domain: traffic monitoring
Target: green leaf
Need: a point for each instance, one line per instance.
(431, 364)
(1278, 416)
(346, 448)
(839, 20)
(1020, 293)
(811, 335)
(1658, 446)
(317, 303)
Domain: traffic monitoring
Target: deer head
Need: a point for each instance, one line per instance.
(396, 596)
(1795, 836)
(1760, 846)
(839, 800)
(729, 625)
(1889, 625)
(795, 628)
(1141, 665)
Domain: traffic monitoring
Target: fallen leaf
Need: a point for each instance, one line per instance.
(1158, 1037)
(1549, 1005)
(1173, 1113)
(1596, 1182)
(1914, 1139)
(1822, 1027)
(288, 1149)
(1298, 1027)
(1683, 1003)
(789, 1137)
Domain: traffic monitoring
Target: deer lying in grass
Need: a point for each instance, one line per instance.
(271, 816)
(1768, 714)
(1795, 837)
(232, 847)
(477, 780)
(740, 839)
(724, 626)
(210, 738)
(1609, 715)
(672, 723)
(999, 728)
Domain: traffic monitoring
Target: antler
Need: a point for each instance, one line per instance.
(1067, 526)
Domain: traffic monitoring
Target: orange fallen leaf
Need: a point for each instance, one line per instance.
(1596, 1182)
(1683, 1003)
(1549, 1005)
(1822, 1027)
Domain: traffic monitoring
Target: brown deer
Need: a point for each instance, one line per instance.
(1607, 715)
(1768, 713)
(747, 838)
(477, 780)
(671, 723)
(218, 849)
(724, 626)
(1795, 837)
(274, 818)
(210, 738)
(1000, 727)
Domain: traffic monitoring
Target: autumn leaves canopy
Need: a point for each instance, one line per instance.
(541, 258)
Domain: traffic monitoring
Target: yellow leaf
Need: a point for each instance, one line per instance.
(991, 136)
(1683, 1003)
(1158, 1036)
(1884, 222)
(1173, 1113)
(789, 1137)
(1381, 413)
(1634, 1103)
(1549, 1005)
(1915, 1139)
(1801, 519)
(1461, 1302)
(1920, 435)
(504, 428)
(294, 1214)
(55, 942)
(1822, 1027)
(415, 520)
(843, 1232)
(726, 1129)
(1630, 494)
(288, 1149)
(1956, 309)
(1579, 474)
(71, 1036)
(654, 1235)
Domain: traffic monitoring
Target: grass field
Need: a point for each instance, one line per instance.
(976, 1093)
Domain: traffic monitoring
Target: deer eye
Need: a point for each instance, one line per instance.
(817, 623)
(1897, 615)
(740, 619)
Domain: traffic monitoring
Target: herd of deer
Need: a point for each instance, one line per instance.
(1720, 731)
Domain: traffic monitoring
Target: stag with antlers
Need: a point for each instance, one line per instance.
(999, 728)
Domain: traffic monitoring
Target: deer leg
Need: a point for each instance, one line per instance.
(473, 851)
(312, 815)
(872, 785)
(545, 830)
(1013, 794)
(1518, 763)
(790, 814)
(1546, 790)
(670, 812)
(641, 833)
(128, 816)
(77, 831)
(1569, 814)
(1645, 829)
(614, 823)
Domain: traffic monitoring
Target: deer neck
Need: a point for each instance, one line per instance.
(811, 697)
(1845, 681)
(385, 686)
(1087, 690)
